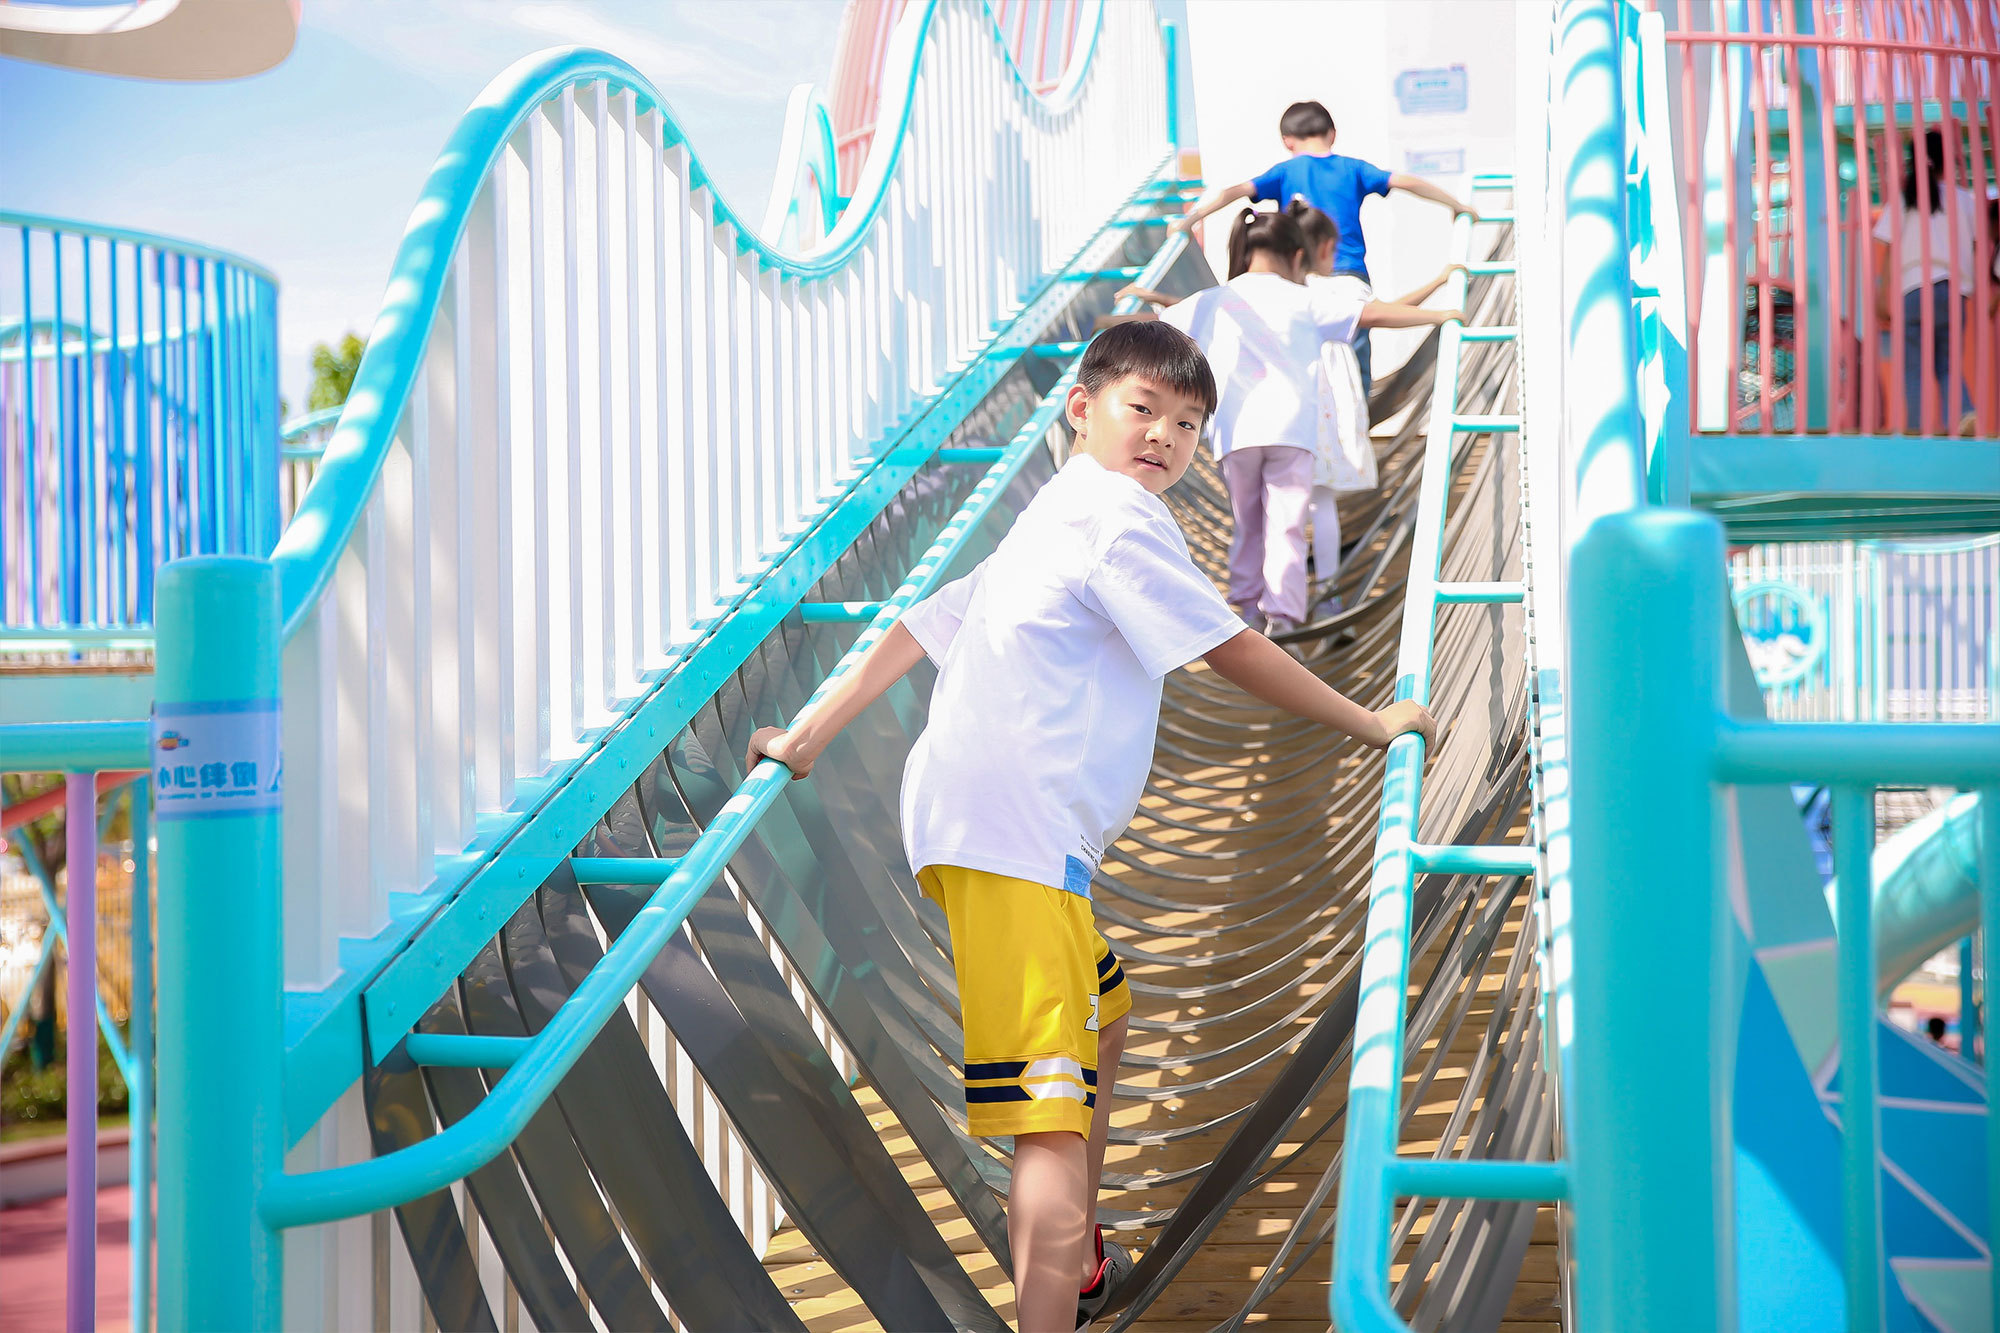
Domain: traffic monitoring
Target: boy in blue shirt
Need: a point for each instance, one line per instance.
(1333, 184)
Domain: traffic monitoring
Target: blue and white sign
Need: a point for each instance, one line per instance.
(213, 760)
(1434, 161)
(1432, 92)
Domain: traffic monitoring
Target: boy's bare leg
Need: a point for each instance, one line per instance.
(1045, 1221)
(1110, 1050)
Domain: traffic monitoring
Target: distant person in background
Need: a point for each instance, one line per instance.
(1333, 184)
(1936, 1028)
(1933, 209)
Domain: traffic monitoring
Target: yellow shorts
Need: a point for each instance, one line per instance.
(1035, 979)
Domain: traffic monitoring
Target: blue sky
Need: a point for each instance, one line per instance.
(311, 168)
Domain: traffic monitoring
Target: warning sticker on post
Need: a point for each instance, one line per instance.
(213, 760)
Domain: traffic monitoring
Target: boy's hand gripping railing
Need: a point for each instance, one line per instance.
(219, 620)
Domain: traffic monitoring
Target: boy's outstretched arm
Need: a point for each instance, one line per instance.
(1221, 199)
(1261, 668)
(1423, 189)
(799, 746)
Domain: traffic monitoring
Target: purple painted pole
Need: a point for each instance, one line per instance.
(80, 818)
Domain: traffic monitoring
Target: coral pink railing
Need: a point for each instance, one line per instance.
(1793, 126)
(1040, 33)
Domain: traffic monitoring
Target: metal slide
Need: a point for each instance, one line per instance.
(1235, 904)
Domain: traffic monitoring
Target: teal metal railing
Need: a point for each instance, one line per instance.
(1373, 1173)
(138, 421)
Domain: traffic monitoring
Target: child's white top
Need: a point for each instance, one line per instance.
(1911, 272)
(1262, 334)
(1345, 459)
(1050, 660)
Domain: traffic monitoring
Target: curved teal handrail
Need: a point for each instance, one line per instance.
(310, 549)
(131, 236)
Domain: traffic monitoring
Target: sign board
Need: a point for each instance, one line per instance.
(1432, 92)
(1434, 161)
(213, 760)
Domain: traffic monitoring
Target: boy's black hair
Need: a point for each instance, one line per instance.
(1305, 120)
(1157, 353)
(1316, 227)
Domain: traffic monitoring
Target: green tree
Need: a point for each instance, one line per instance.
(333, 367)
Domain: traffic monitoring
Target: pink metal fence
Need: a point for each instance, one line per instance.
(1040, 33)
(1837, 169)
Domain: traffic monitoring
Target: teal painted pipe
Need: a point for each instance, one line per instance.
(626, 871)
(1860, 1077)
(838, 613)
(1915, 754)
(1460, 594)
(1989, 929)
(1474, 860)
(980, 455)
(1458, 1178)
(47, 747)
(452, 1050)
(1645, 1109)
(1588, 136)
(217, 669)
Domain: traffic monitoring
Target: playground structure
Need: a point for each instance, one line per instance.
(623, 475)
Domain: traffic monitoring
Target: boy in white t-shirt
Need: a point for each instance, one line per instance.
(1050, 660)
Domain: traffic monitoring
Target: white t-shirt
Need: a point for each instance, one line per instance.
(1050, 659)
(1262, 334)
(1910, 259)
(1345, 459)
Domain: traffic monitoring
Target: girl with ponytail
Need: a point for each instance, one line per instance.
(1345, 459)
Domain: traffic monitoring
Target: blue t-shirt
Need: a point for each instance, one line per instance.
(1335, 185)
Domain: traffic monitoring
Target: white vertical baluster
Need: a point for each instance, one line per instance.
(311, 816)
(568, 538)
(453, 599)
(717, 417)
(535, 665)
(602, 450)
(493, 503)
(754, 415)
(634, 573)
(677, 413)
(363, 765)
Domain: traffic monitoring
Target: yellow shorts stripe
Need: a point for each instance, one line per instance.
(1036, 980)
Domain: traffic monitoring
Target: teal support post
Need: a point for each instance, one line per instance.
(1170, 35)
(1989, 931)
(1860, 1079)
(1968, 999)
(216, 673)
(1647, 1111)
(140, 1041)
(1601, 399)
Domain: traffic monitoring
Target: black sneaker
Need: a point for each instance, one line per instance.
(1114, 1265)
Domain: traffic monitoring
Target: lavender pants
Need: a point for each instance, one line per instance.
(1270, 489)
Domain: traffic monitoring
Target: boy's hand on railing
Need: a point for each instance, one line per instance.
(1406, 715)
(1468, 211)
(787, 747)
